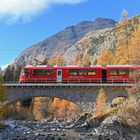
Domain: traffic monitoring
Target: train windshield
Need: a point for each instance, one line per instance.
(24, 72)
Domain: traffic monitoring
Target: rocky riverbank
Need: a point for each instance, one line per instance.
(111, 128)
(41, 130)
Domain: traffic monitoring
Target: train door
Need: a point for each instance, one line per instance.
(59, 75)
(104, 76)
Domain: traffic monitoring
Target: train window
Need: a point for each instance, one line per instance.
(37, 72)
(24, 72)
(124, 72)
(91, 72)
(73, 72)
(48, 72)
(80, 72)
(42, 72)
(84, 72)
(113, 72)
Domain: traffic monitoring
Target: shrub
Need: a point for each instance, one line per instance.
(130, 111)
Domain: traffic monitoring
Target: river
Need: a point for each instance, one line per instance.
(42, 130)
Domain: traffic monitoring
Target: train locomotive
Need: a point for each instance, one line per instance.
(80, 74)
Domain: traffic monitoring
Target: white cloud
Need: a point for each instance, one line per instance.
(13, 10)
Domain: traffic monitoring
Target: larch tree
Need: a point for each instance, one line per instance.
(130, 109)
(57, 60)
(134, 48)
(105, 58)
(3, 105)
(77, 60)
(101, 104)
(85, 59)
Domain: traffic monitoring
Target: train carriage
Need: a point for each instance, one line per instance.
(62, 74)
(121, 73)
(80, 74)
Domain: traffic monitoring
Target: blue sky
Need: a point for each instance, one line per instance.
(26, 22)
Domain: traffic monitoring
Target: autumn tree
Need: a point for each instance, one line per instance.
(77, 60)
(3, 106)
(101, 104)
(106, 58)
(61, 108)
(119, 54)
(57, 60)
(86, 59)
(135, 47)
(130, 110)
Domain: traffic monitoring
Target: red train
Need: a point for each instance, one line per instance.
(79, 74)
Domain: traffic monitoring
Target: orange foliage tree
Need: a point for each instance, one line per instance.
(61, 108)
(85, 59)
(105, 58)
(130, 110)
(101, 105)
(134, 48)
(77, 60)
(81, 60)
(3, 105)
(123, 54)
(57, 60)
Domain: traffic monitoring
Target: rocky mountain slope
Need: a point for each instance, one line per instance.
(61, 41)
(95, 43)
(73, 42)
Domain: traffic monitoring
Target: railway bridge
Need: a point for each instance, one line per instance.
(81, 94)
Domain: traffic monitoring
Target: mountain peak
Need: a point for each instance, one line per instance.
(100, 19)
(61, 41)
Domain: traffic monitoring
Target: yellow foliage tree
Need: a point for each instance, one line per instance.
(130, 109)
(77, 60)
(123, 29)
(61, 108)
(85, 59)
(81, 60)
(123, 54)
(134, 54)
(105, 58)
(3, 106)
(101, 105)
(57, 60)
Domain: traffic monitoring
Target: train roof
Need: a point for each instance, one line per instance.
(123, 66)
(82, 66)
(68, 66)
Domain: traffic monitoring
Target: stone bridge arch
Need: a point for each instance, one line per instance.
(84, 96)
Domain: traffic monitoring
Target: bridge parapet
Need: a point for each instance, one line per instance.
(17, 85)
